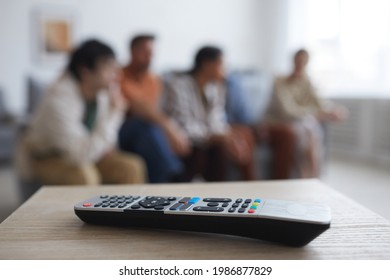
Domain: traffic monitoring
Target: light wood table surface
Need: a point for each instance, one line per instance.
(45, 227)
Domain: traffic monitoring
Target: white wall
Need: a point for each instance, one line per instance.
(181, 27)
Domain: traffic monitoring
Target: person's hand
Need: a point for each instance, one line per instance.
(116, 98)
(341, 113)
(179, 142)
(338, 114)
(145, 110)
(236, 148)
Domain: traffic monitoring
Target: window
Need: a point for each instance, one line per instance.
(350, 44)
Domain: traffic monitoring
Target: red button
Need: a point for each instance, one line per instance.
(87, 204)
(251, 211)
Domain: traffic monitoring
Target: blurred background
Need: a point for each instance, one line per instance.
(349, 43)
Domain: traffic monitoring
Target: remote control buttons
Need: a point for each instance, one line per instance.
(251, 211)
(176, 206)
(241, 210)
(217, 200)
(257, 200)
(208, 209)
(184, 199)
(152, 201)
(185, 203)
(238, 200)
(231, 210)
(185, 206)
(248, 200)
(212, 204)
(87, 204)
(194, 200)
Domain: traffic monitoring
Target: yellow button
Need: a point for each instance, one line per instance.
(255, 204)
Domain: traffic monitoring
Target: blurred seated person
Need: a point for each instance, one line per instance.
(280, 138)
(295, 103)
(196, 101)
(147, 131)
(73, 135)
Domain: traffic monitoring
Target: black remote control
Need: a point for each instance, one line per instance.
(286, 222)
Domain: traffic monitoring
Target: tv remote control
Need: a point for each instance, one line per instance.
(288, 222)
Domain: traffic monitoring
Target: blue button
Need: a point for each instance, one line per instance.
(257, 200)
(194, 200)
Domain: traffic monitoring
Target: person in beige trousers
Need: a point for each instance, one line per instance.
(72, 138)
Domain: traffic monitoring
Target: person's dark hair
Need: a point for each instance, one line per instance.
(87, 55)
(140, 38)
(300, 52)
(205, 54)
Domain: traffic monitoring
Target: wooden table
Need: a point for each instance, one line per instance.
(45, 227)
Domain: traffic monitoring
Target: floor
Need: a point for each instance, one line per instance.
(365, 183)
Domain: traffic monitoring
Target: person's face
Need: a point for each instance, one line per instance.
(142, 54)
(300, 61)
(105, 73)
(215, 69)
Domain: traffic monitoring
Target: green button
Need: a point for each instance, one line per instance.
(253, 207)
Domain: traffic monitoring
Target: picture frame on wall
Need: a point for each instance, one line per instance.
(53, 34)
